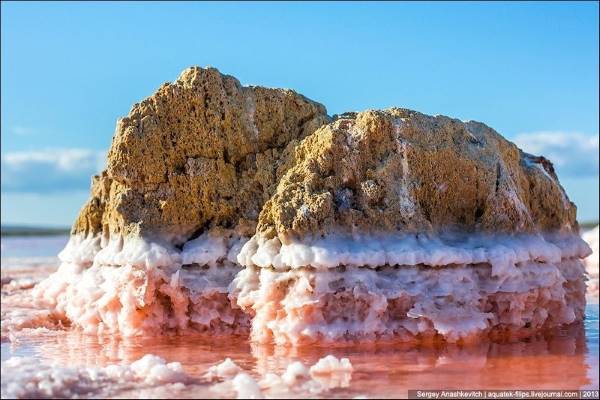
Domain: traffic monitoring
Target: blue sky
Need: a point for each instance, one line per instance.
(70, 70)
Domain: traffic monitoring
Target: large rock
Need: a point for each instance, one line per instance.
(376, 224)
(394, 223)
(188, 172)
(400, 170)
(201, 152)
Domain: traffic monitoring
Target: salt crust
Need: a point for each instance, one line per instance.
(331, 364)
(457, 303)
(210, 249)
(361, 250)
(591, 262)
(227, 369)
(376, 250)
(328, 373)
(32, 379)
(134, 286)
(133, 300)
(455, 286)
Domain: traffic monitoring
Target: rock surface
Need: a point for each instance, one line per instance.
(400, 170)
(207, 152)
(201, 152)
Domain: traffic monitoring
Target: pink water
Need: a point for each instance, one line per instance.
(564, 359)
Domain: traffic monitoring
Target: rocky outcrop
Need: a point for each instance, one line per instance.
(225, 208)
(188, 172)
(201, 152)
(400, 170)
(393, 223)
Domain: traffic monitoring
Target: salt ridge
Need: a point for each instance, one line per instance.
(30, 379)
(134, 286)
(375, 250)
(459, 303)
(371, 250)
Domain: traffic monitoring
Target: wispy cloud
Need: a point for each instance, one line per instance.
(573, 154)
(50, 170)
(21, 130)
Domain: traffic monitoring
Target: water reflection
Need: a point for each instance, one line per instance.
(561, 360)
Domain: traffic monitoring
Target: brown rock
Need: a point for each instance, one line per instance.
(206, 152)
(398, 169)
(203, 151)
(207, 155)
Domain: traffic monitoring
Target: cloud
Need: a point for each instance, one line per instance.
(573, 154)
(50, 170)
(21, 130)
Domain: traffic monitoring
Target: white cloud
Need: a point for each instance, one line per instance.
(21, 130)
(573, 154)
(50, 170)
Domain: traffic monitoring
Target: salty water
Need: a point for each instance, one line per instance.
(563, 359)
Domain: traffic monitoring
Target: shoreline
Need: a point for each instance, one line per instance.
(28, 231)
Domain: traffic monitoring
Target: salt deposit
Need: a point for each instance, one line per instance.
(331, 364)
(375, 250)
(294, 373)
(225, 370)
(591, 262)
(367, 225)
(133, 286)
(456, 302)
(246, 387)
(31, 379)
(326, 374)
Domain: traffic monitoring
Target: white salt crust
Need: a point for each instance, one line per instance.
(211, 248)
(454, 304)
(454, 286)
(331, 364)
(28, 377)
(31, 379)
(375, 250)
(328, 373)
(591, 262)
(133, 286)
(225, 370)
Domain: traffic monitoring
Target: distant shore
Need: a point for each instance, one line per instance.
(33, 231)
(584, 226)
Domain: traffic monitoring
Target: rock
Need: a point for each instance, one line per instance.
(400, 170)
(373, 224)
(187, 175)
(393, 223)
(201, 152)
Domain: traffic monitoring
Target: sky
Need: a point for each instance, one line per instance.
(70, 70)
